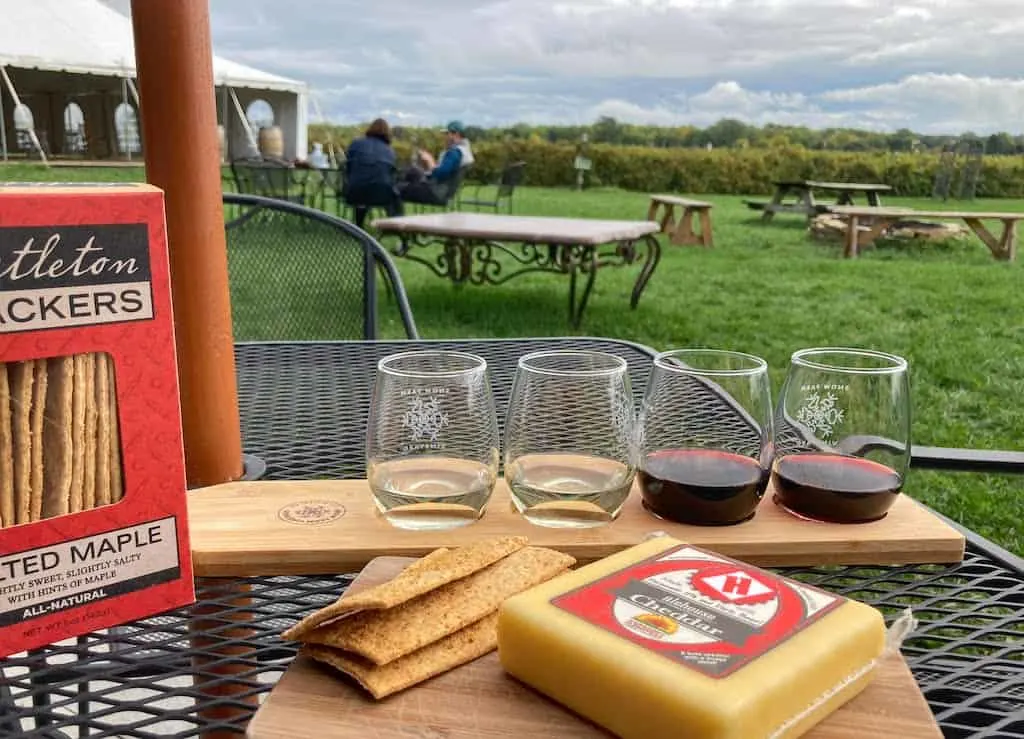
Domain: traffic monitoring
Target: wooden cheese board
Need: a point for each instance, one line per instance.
(332, 526)
(479, 700)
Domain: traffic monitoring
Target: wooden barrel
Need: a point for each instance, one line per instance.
(272, 142)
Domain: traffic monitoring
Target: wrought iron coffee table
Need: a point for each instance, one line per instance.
(492, 249)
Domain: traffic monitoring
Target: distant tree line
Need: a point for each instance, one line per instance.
(727, 133)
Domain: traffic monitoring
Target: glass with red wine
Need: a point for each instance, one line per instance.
(705, 436)
(842, 435)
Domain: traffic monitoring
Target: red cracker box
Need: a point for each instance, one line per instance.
(93, 524)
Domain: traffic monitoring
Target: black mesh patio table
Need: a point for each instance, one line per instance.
(304, 408)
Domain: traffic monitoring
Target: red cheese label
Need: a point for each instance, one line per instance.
(709, 613)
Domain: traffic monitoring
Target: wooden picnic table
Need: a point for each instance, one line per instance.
(797, 196)
(1003, 247)
(681, 230)
(481, 248)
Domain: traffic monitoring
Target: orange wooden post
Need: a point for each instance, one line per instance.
(179, 123)
(174, 58)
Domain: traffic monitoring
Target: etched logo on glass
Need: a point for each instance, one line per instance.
(622, 417)
(820, 411)
(425, 419)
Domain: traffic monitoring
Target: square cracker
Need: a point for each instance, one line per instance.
(21, 376)
(438, 568)
(382, 636)
(91, 433)
(38, 422)
(57, 440)
(78, 433)
(7, 517)
(103, 431)
(457, 649)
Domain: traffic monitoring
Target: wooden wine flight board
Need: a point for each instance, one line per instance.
(332, 527)
(480, 700)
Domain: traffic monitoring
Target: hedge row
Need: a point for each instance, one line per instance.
(731, 171)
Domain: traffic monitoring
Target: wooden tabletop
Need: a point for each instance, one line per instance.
(840, 186)
(677, 200)
(857, 210)
(529, 229)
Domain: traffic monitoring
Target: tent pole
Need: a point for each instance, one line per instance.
(226, 115)
(245, 121)
(17, 104)
(134, 92)
(124, 103)
(330, 137)
(3, 128)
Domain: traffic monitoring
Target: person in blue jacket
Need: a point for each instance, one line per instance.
(434, 183)
(370, 173)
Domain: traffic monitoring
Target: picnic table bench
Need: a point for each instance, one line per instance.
(802, 200)
(484, 249)
(681, 230)
(877, 220)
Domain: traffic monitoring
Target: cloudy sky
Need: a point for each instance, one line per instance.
(930, 65)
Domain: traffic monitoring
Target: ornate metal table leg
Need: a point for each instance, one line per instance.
(465, 262)
(653, 256)
(580, 258)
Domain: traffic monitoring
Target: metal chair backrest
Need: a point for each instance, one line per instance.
(301, 274)
(511, 176)
(451, 193)
(267, 177)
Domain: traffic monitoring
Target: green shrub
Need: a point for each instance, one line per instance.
(730, 171)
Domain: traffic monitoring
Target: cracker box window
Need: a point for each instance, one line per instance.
(60, 445)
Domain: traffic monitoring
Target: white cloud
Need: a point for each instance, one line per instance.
(929, 103)
(932, 65)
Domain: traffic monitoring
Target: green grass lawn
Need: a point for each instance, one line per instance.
(952, 310)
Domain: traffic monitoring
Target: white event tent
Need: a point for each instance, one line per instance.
(67, 70)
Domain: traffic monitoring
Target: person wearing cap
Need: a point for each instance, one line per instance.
(435, 181)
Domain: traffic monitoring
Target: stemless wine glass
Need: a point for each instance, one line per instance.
(842, 434)
(432, 439)
(569, 457)
(705, 436)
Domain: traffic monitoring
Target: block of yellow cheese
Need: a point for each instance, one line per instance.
(667, 640)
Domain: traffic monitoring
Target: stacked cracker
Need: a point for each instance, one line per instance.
(437, 614)
(60, 450)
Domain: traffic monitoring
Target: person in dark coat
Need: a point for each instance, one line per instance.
(370, 173)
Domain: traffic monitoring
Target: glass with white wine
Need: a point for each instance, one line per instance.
(569, 448)
(432, 439)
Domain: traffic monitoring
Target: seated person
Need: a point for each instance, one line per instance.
(370, 173)
(434, 183)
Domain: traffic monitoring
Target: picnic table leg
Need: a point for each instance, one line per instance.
(1010, 240)
(650, 263)
(668, 220)
(706, 234)
(874, 199)
(852, 232)
(1005, 247)
(807, 198)
(683, 232)
(652, 211)
(780, 194)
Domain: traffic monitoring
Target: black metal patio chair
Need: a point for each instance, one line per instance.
(270, 178)
(505, 188)
(449, 195)
(297, 273)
